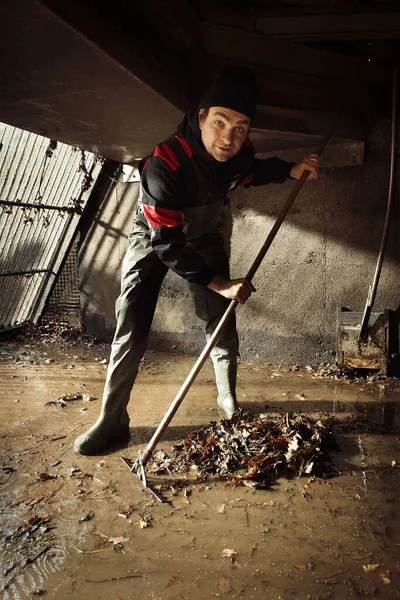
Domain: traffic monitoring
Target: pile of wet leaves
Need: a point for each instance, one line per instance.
(253, 450)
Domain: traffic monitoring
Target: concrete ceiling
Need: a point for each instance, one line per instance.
(116, 77)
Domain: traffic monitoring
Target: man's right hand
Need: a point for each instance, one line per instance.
(233, 289)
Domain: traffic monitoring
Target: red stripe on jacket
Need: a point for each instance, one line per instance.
(162, 217)
(188, 149)
(247, 179)
(167, 155)
(145, 164)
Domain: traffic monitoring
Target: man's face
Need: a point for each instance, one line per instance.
(223, 132)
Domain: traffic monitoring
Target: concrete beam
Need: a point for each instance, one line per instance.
(323, 27)
(300, 77)
(352, 125)
(134, 45)
(58, 83)
(257, 49)
(293, 147)
(175, 19)
(293, 134)
(301, 21)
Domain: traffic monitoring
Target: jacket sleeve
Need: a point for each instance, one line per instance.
(162, 200)
(267, 170)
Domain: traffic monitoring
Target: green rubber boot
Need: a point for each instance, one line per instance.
(228, 406)
(225, 376)
(108, 430)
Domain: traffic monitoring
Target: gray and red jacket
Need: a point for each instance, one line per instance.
(183, 190)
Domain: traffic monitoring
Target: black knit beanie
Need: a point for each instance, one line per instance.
(235, 88)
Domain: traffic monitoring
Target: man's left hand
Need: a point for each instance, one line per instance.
(309, 163)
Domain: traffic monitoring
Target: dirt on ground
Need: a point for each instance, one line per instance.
(84, 527)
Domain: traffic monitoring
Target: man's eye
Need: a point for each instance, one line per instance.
(219, 123)
(239, 129)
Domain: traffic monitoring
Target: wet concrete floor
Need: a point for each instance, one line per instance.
(84, 527)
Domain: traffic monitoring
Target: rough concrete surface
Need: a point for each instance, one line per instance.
(73, 526)
(322, 258)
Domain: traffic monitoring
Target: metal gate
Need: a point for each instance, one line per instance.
(44, 186)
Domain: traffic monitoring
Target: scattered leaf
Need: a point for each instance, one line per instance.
(370, 568)
(118, 540)
(384, 575)
(144, 521)
(88, 397)
(127, 513)
(87, 517)
(302, 567)
(33, 501)
(173, 580)
(46, 476)
(227, 552)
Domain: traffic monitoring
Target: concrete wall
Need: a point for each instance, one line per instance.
(323, 257)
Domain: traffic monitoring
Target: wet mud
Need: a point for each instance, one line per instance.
(84, 527)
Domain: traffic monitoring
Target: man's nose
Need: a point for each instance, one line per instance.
(228, 136)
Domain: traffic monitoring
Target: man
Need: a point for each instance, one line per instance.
(178, 226)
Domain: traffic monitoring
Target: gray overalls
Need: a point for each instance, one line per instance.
(141, 279)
